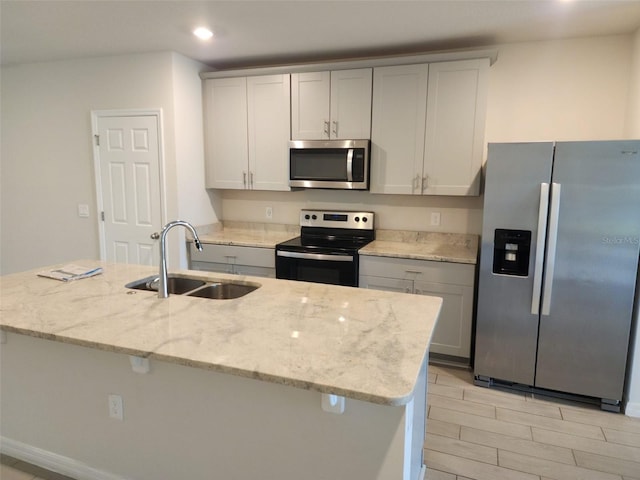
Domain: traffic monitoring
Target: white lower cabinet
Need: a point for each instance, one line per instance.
(252, 261)
(451, 281)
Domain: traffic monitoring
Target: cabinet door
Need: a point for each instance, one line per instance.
(253, 271)
(398, 125)
(310, 105)
(268, 99)
(456, 111)
(226, 133)
(452, 335)
(386, 284)
(212, 267)
(351, 104)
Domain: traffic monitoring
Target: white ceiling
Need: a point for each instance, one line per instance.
(276, 32)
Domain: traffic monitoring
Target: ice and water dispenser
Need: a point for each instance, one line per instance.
(511, 249)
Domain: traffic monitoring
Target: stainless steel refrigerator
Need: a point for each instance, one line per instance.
(558, 266)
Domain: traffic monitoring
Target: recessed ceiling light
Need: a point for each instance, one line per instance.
(203, 33)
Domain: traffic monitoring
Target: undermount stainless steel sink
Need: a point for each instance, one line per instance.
(195, 287)
(223, 291)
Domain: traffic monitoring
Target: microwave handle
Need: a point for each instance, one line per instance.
(350, 165)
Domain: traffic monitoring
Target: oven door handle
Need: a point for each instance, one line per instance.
(316, 256)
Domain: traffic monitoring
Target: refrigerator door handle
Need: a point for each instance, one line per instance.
(551, 248)
(543, 211)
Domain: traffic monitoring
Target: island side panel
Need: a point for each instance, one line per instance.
(184, 422)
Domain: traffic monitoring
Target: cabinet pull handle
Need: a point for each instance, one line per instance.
(251, 180)
(244, 179)
(326, 128)
(425, 183)
(335, 128)
(416, 182)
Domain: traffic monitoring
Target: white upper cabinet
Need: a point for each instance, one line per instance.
(227, 152)
(428, 128)
(269, 106)
(331, 105)
(397, 135)
(247, 132)
(454, 140)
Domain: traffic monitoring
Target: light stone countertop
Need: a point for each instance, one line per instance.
(247, 234)
(434, 246)
(439, 247)
(359, 343)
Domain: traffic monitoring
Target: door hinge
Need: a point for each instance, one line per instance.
(97, 138)
(102, 216)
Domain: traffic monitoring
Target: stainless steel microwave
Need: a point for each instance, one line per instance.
(337, 164)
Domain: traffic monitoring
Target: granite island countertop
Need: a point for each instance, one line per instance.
(359, 343)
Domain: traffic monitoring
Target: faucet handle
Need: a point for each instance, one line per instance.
(155, 236)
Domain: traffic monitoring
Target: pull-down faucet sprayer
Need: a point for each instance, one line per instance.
(163, 291)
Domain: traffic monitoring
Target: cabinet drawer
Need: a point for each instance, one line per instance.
(231, 254)
(419, 270)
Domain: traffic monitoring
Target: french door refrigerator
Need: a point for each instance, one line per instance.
(558, 266)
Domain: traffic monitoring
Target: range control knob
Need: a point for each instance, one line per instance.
(364, 219)
(307, 217)
(357, 219)
(314, 217)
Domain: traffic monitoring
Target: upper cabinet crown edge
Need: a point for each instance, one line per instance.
(367, 62)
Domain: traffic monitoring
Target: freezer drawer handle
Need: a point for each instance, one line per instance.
(551, 248)
(543, 210)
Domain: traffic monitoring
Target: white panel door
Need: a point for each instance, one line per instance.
(129, 175)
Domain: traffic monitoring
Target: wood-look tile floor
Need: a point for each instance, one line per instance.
(476, 433)
(14, 469)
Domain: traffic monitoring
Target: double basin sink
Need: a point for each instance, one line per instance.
(195, 287)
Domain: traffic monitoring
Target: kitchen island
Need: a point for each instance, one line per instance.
(245, 388)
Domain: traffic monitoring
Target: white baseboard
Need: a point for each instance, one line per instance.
(53, 461)
(632, 409)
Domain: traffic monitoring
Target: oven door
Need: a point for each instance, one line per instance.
(332, 268)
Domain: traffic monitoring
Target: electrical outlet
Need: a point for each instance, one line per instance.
(115, 407)
(269, 212)
(435, 219)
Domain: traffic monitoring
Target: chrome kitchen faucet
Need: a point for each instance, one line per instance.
(163, 291)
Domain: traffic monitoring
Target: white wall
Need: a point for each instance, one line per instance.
(193, 202)
(46, 152)
(633, 112)
(561, 90)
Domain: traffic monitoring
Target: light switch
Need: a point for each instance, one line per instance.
(83, 210)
